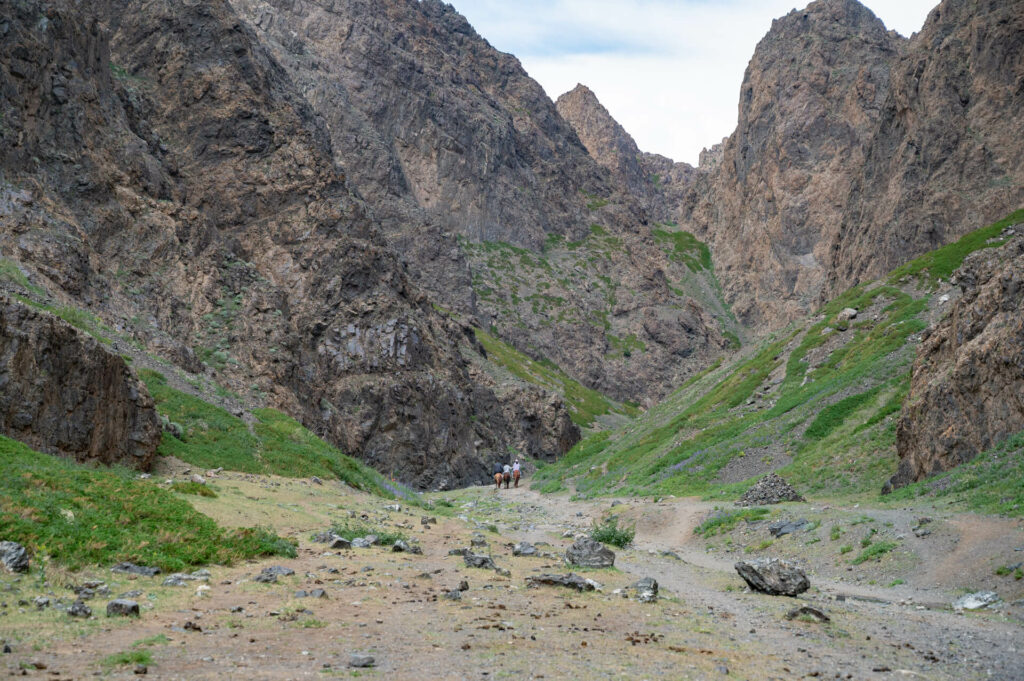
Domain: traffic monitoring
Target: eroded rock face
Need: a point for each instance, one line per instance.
(945, 157)
(967, 387)
(205, 197)
(62, 392)
(771, 200)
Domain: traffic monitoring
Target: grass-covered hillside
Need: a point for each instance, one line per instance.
(817, 401)
(275, 444)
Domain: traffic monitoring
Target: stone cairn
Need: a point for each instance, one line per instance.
(771, 489)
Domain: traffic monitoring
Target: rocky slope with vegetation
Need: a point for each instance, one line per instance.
(62, 392)
(967, 390)
(162, 171)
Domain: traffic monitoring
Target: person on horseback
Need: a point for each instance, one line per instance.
(516, 472)
(506, 474)
(498, 475)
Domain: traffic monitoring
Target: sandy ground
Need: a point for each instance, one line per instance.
(706, 625)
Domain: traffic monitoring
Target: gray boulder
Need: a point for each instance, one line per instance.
(780, 528)
(133, 569)
(524, 549)
(122, 607)
(337, 542)
(360, 660)
(402, 546)
(646, 589)
(13, 556)
(571, 581)
(79, 609)
(362, 543)
(587, 552)
(475, 560)
(773, 576)
(976, 600)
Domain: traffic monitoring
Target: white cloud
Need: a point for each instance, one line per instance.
(668, 70)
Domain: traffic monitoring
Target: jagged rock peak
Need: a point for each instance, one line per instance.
(828, 16)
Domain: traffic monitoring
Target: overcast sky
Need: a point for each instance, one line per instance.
(668, 70)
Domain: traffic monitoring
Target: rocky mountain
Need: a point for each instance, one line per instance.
(162, 170)
(62, 392)
(945, 154)
(857, 149)
(488, 194)
(967, 390)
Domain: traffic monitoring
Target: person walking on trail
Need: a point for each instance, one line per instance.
(507, 474)
(498, 475)
(516, 472)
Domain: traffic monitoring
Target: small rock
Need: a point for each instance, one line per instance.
(846, 314)
(360, 660)
(7, 649)
(393, 507)
(301, 594)
(587, 552)
(41, 602)
(463, 585)
(318, 593)
(808, 610)
(976, 600)
(453, 595)
(646, 589)
(474, 560)
(773, 576)
(122, 608)
(478, 541)
(141, 670)
(524, 549)
(316, 481)
(361, 543)
(13, 556)
(132, 568)
(504, 572)
(459, 552)
(79, 609)
(340, 543)
(781, 528)
(402, 546)
(198, 479)
(278, 570)
(428, 520)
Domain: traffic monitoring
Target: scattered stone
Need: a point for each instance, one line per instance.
(475, 560)
(393, 507)
(670, 554)
(976, 600)
(781, 528)
(846, 314)
(360, 660)
(316, 481)
(587, 552)
(340, 543)
(402, 546)
(773, 576)
(79, 609)
(722, 669)
(141, 670)
(646, 589)
(428, 520)
(41, 602)
(182, 579)
(459, 552)
(323, 537)
(771, 489)
(13, 556)
(132, 568)
(921, 532)
(122, 607)
(571, 580)
(192, 626)
(278, 570)
(318, 593)
(463, 585)
(7, 649)
(361, 543)
(504, 572)
(524, 549)
(131, 595)
(453, 595)
(198, 479)
(478, 541)
(301, 593)
(808, 610)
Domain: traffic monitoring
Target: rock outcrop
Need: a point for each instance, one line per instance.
(967, 387)
(945, 156)
(62, 392)
(770, 207)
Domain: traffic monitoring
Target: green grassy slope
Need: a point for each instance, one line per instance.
(818, 401)
(82, 516)
(277, 444)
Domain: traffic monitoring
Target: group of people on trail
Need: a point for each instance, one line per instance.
(505, 473)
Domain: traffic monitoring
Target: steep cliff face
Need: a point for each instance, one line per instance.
(480, 184)
(946, 152)
(162, 168)
(771, 205)
(967, 389)
(62, 392)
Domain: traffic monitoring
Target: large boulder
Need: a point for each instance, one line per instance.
(63, 393)
(773, 576)
(13, 556)
(587, 552)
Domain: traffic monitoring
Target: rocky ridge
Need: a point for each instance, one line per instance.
(968, 380)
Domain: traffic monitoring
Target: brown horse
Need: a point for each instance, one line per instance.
(507, 477)
(515, 476)
(497, 480)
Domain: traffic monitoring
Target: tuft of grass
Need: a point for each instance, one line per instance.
(609, 532)
(844, 549)
(685, 248)
(128, 657)
(193, 488)
(115, 517)
(277, 444)
(834, 533)
(350, 530)
(876, 550)
(721, 522)
(159, 639)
